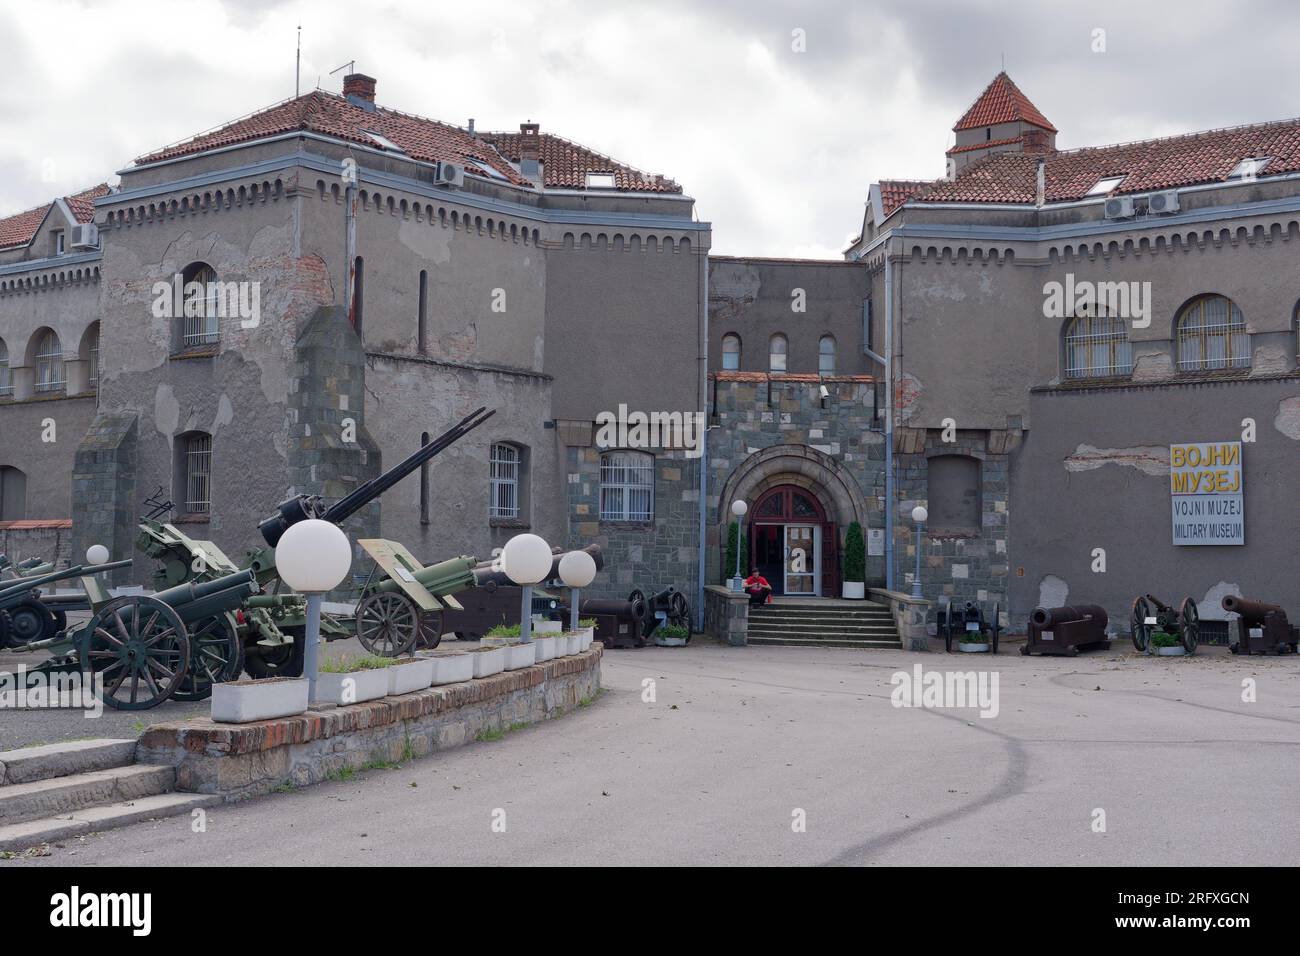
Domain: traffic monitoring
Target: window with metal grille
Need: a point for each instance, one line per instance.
(627, 486)
(826, 355)
(1097, 346)
(503, 482)
(6, 381)
(776, 353)
(202, 306)
(198, 474)
(49, 363)
(1212, 335)
(92, 354)
(730, 352)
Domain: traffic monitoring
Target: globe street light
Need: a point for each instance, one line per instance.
(738, 508)
(97, 554)
(577, 570)
(526, 560)
(919, 515)
(313, 557)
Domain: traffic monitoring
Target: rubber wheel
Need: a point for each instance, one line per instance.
(4, 629)
(283, 661)
(30, 620)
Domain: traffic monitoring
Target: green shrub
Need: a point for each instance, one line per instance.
(350, 665)
(855, 554)
(673, 630)
(729, 566)
(587, 622)
(1165, 640)
(504, 630)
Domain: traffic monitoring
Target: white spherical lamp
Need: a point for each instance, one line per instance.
(577, 569)
(97, 554)
(526, 559)
(313, 556)
(919, 514)
(738, 508)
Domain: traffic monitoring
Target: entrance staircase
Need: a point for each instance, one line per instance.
(823, 623)
(57, 791)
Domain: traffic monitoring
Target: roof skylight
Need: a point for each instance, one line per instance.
(1104, 186)
(600, 180)
(384, 142)
(1249, 168)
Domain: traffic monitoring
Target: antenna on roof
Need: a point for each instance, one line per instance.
(297, 65)
(350, 66)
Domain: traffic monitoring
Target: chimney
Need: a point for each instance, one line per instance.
(530, 150)
(471, 126)
(360, 90)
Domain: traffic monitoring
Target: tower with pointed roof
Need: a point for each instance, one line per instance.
(1001, 120)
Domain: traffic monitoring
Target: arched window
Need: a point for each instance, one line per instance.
(776, 353)
(1212, 335)
(13, 494)
(627, 486)
(503, 481)
(422, 313)
(1097, 346)
(730, 352)
(6, 379)
(826, 355)
(49, 363)
(194, 472)
(89, 353)
(202, 306)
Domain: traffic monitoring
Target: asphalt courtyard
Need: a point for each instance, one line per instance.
(772, 755)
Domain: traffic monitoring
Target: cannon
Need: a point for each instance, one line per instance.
(665, 607)
(1067, 630)
(1152, 617)
(618, 623)
(969, 619)
(272, 626)
(403, 599)
(1261, 628)
(27, 617)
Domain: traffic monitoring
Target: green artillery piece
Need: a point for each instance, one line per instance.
(407, 602)
(1152, 618)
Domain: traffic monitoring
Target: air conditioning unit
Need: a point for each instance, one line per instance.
(449, 174)
(1119, 207)
(85, 236)
(1161, 204)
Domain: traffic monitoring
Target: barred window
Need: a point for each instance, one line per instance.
(730, 352)
(202, 306)
(627, 486)
(776, 353)
(826, 355)
(1097, 346)
(90, 352)
(198, 473)
(503, 482)
(6, 381)
(49, 363)
(1212, 335)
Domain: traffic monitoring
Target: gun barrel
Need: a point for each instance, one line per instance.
(1252, 612)
(445, 577)
(196, 599)
(10, 588)
(486, 571)
(1055, 616)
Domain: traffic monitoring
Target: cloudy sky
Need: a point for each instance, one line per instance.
(777, 143)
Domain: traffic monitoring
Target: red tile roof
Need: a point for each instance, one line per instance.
(422, 139)
(895, 192)
(970, 147)
(565, 164)
(1002, 102)
(20, 228)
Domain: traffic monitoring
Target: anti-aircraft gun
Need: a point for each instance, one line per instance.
(272, 624)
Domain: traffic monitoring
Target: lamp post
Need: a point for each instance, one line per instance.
(738, 508)
(96, 555)
(313, 557)
(577, 570)
(526, 560)
(919, 514)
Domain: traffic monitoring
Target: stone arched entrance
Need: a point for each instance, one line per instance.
(776, 474)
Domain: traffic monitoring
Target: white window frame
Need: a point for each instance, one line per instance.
(627, 486)
(50, 370)
(823, 354)
(1207, 336)
(731, 357)
(504, 462)
(1106, 185)
(601, 180)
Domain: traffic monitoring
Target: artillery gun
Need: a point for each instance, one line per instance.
(1152, 617)
(969, 619)
(1066, 630)
(1261, 628)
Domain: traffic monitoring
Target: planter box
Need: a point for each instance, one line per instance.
(670, 641)
(244, 701)
(572, 643)
(855, 590)
(972, 648)
(546, 648)
(548, 627)
(1176, 651)
(520, 655)
(453, 668)
(359, 686)
(588, 635)
(489, 661)
(408, 676)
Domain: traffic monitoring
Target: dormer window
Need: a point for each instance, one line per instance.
(1249, 168)
(600, 180)
(1105, 186)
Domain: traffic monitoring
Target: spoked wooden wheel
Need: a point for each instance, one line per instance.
(431, 629)
(216, 655)
(679, 612)
(947, 626)
(1141, 629)
(1190, 625)
(388, 624)
(138, 648)
(997, 625)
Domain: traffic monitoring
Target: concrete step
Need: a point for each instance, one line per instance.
(57, 796)
(791, 641)
(20, 836)
(59, 760)
(864, 618)
(830, 622)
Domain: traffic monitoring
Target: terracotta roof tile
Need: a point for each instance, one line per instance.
(895, 192)
(971, 147)
(1002, 102)
(20, 228)
(565, 164)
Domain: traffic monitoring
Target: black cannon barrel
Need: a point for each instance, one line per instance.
(1160, 605)
(487, 571)
(1252, 612)
(303, 507)
(1056, 616)
(196, 599)
(10, 588)
(637, 610)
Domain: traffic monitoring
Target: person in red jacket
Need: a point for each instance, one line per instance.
(760, 592)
